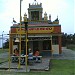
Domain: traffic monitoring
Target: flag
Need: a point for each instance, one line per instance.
(14, 21)
(21, 0)
(56, 19)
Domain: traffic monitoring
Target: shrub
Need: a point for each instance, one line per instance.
(71, 46)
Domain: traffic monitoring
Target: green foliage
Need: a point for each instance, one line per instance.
(72, 47)
(68, 39)
(6, 44)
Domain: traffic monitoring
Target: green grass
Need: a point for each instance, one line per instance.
(4, 50)
(58, 67)
(63, 67)
(3, 60)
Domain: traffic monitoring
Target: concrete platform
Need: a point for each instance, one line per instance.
(44, 65)
(66, 54)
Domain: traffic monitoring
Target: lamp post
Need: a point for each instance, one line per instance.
(2, 40)
(20, 37)
(51, 46)
(26, 30)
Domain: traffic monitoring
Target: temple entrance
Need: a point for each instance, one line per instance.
(35, 46)
(47, 45)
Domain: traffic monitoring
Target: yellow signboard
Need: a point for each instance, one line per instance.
(36, 30)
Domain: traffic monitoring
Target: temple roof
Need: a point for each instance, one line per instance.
(35, 24)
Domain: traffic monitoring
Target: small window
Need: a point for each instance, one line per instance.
(47, 45)
(55, 40)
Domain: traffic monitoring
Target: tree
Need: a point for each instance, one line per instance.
(68, 39)
(6, 44)
(64, 39)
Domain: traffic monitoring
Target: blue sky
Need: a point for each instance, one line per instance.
(9, 9)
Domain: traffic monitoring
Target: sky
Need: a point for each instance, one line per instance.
(64, 9)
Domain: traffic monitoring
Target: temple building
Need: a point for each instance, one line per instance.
(43, 34)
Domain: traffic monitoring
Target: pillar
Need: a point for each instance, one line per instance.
(59, 40)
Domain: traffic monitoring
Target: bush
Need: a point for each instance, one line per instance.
(71, 47)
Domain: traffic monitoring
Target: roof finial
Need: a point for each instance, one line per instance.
(57, 16)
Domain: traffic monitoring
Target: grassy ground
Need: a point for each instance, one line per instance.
(63, 67)
(3, 60)
(4, 50)
(58, 67)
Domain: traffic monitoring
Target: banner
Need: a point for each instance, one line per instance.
(36, 30)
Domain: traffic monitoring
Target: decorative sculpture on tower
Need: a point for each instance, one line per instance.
(25, 17)
(35, 11)
(45, 16)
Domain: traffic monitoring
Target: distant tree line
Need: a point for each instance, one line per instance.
(6, 44)
(67, 39)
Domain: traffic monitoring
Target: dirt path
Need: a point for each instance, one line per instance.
(69, 54)
(66, 54)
